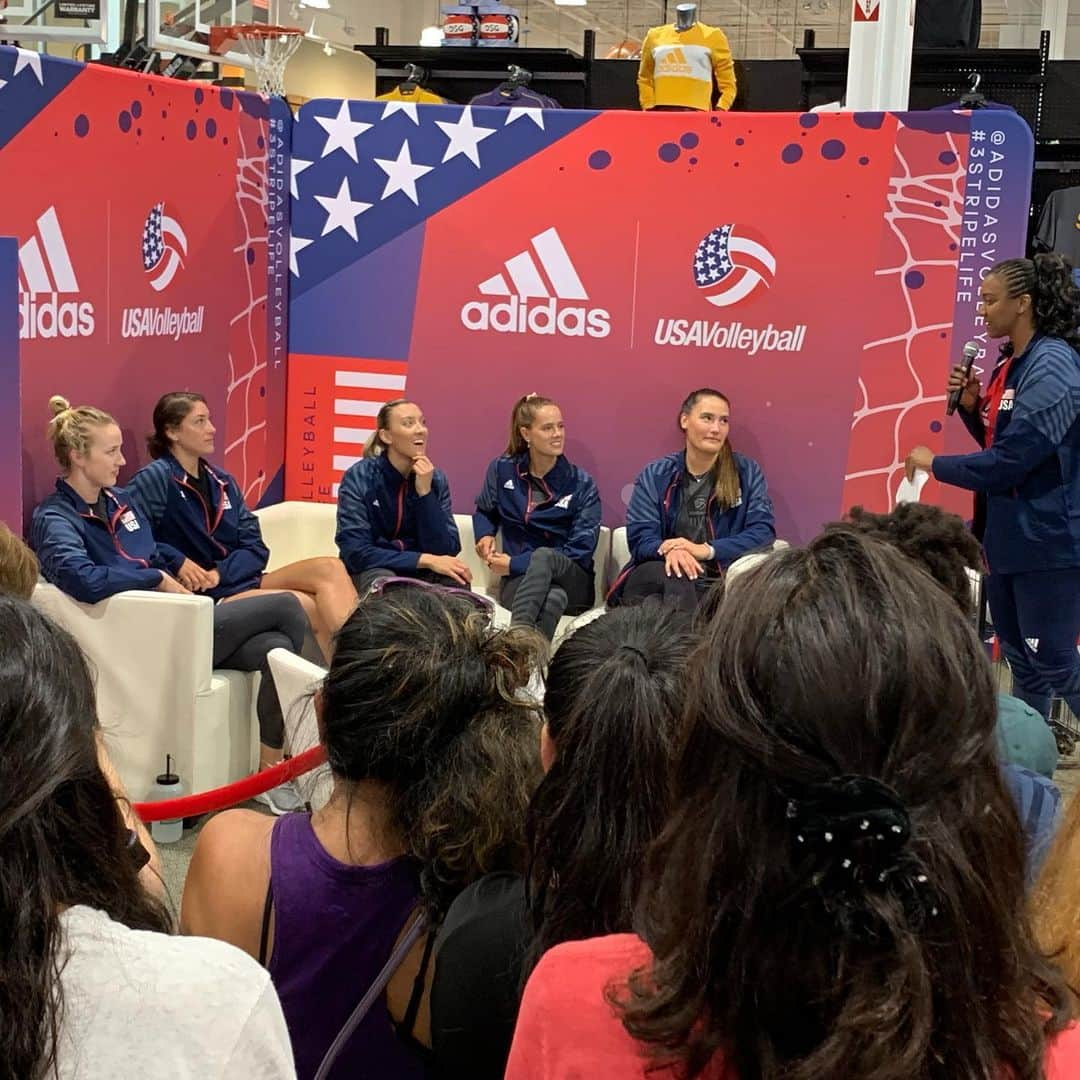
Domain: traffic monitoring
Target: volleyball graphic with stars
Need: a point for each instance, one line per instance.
(164, 246)
(731, 263)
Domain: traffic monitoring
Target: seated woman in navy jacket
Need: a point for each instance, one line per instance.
(693, 513)
(93, 541)
(199, 509)
(549, 513)
(394, 517)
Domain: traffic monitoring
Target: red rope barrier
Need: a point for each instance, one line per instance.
(207, 802)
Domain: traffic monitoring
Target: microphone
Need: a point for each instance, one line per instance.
(971, 350)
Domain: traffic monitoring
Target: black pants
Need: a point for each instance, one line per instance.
(363, 581)
(651, 579)
(244, 632)
(552, 586)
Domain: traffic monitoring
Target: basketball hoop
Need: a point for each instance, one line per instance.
(269, 47)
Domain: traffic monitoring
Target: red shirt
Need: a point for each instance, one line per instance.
(566, 1030)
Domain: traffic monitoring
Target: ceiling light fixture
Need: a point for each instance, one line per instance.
(431, 37)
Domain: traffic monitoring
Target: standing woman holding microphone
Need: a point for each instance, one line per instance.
(1028, 423)
(549, 513)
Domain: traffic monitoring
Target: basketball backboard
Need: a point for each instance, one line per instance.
(183, 26)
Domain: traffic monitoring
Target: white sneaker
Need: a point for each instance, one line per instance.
(283, 799)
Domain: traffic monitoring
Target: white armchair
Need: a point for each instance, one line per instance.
(296, 681)
(151, 656)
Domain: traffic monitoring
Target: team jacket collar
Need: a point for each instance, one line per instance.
(555, 478)
(80, 505)
(214, 514)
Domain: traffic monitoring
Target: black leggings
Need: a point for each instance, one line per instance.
(363, 581)
(244, 632)
(651, 579)
(551, 587)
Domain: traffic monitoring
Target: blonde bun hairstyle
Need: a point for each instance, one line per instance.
(70, 430)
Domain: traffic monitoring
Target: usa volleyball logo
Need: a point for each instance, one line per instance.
(164, 246)
(731, 263)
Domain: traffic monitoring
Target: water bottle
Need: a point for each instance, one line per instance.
(167, 786)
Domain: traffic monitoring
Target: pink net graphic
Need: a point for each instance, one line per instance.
(900, 398)
(246, 397)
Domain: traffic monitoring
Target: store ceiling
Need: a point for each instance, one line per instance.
(757, 28)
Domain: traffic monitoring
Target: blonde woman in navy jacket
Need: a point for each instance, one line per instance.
(199, 509)
(549, 514)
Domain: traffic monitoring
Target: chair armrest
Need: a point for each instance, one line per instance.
(298, 530)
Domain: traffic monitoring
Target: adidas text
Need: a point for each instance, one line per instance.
(45, 316)
(516, 316)
(716, 335)
(161, 322)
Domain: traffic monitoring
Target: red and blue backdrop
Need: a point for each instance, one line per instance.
(821, 270)
(152, 221)
(10, 436)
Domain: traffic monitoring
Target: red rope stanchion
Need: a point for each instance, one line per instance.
(207, 802)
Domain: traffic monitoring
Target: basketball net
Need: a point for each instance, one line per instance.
(269, 48)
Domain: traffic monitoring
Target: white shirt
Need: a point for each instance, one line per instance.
(139, 1005)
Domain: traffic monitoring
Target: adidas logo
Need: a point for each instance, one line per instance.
(46, 274)
(509, 485)
(537, 300)
(564, 502)
(1032, 643)
(672, 61)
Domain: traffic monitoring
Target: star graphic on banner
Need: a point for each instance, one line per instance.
(342, 210)
(298, 167)
(342, 131)
(296, 245)
(31, 60)
(407, 107)
(402, 174)
(516, 112)
(465, 137)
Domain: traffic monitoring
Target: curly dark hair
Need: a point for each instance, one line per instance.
(1055, 298)
(614, 697)
(426, 697)
(938, 541)
(825, 663)
(63, 839)
(170, 411)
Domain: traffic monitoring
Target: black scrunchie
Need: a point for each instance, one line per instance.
(851, 838)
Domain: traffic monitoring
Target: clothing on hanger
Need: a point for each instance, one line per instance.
(414, 93)
(508, 96)
(945, 24)
(1059, 224)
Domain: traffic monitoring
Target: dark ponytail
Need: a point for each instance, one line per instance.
(1055, 298)
(425, 697)
(615, 692)
(63, 839)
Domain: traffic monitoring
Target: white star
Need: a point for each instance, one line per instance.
(296, 245)
(342, 131)
(342, 210)
(465, 137)
(407, 107)
(516, 112)
(298, 167)
(402, 174)
(32, 60)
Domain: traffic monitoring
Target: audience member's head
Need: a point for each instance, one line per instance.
(615, 692)
(1055, 903)
(839, 890)
(18, 566)
(938, 541)
(63, 840)
(425, 699)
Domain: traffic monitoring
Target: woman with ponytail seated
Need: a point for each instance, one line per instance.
(91, 984)
(615, 694)
(693, 513)
(394, 516)
(433, 750)
(94, 541)
(200, 510)
(839, 888)
(1028, 422)
(549, 514)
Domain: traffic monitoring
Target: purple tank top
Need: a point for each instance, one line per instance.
(334, 928)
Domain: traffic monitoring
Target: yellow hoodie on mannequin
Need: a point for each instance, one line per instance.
(677, 67)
